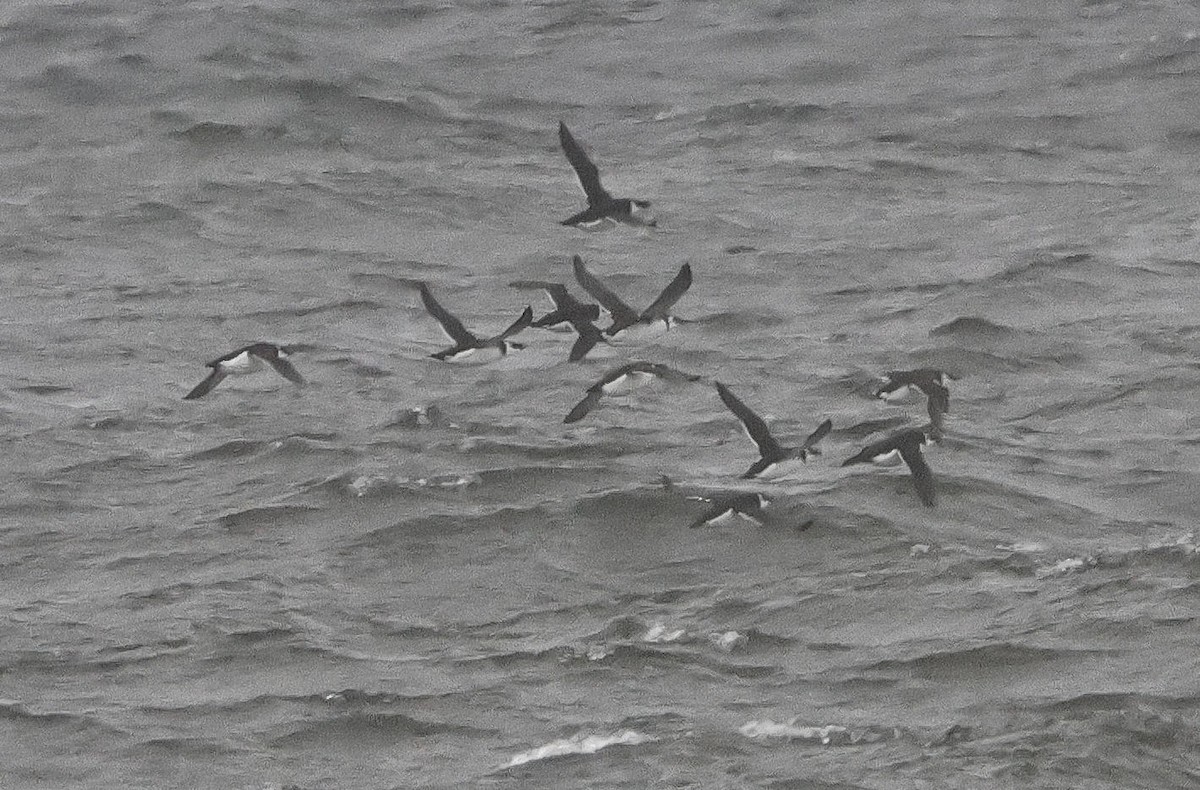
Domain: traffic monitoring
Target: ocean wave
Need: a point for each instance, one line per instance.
(264, 516)
(973, 661)
(578, 745)
(759, 111)
(825, 735)
(361, 728)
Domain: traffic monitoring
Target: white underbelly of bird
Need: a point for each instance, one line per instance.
(628, 383)
(476, 356)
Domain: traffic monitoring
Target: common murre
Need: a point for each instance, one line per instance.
(602, 206)
(905, 445)
(624, 379)
(774, 458)
(624, 317)
(466, 345)
(247, 359)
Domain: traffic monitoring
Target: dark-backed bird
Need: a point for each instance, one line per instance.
(905, 445)
(625, 320)
(602, 206)
(247, 359)
(468, 347)
(623, 380)
(898, 384)
(775, 460)
(569, 310)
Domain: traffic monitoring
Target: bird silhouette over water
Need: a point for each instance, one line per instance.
(602, 206)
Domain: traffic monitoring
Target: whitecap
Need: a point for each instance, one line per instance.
(659, 633)
(830, 733)
(579, 744)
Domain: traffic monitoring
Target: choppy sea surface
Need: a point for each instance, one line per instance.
(275, 587)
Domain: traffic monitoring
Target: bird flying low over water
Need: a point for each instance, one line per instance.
(898, 384)
(247, 359)
(775, 459)
(624, 317)
(904, 445)
(602, 206)
(568, 309)
(466, 345)
(622, 380)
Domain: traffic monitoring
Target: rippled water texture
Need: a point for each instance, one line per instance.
(408, 574)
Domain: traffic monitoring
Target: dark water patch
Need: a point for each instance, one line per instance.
(974, 663)
(152, 212)
(265, 516)
(1045, 262)
(211, 133)
(926, 288)
(388, 14)
(741, 320)
(159, 596)
(122, 656)
(399, 282)
(420, 529)
(53, 724)
(910, 169)
(1168, 340)
(625, 508)
(364, 730)
(861, 430)
(363, 370)
(129, 462)
(1100, 395)
(44, 389)
(760, 111)
(67, 84)
(1096, 702)
(235, 448)
(184, 747)
(973, 328)
(299, 311)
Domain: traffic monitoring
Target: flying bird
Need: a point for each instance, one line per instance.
(624, 317)
(569, 310)
(466, 345)
(247, 359)
(904, 445)
(775, 460)
(602, 206)
(897, 384)
(622, 380)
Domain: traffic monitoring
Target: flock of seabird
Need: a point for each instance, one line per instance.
(775, 460)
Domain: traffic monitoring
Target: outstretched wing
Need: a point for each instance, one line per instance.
(622, 313)
(285, 368)
(670, 295)
(584, 406)
(450, 325)
(206, 386)
(589, 176)
(521, 323)
(756, 429)
(921, 474)
(589, 336)
(814, 438)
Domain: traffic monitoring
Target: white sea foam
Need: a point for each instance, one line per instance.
(579, 744)
(765, 728)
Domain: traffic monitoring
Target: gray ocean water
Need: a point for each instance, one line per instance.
(275, 587)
